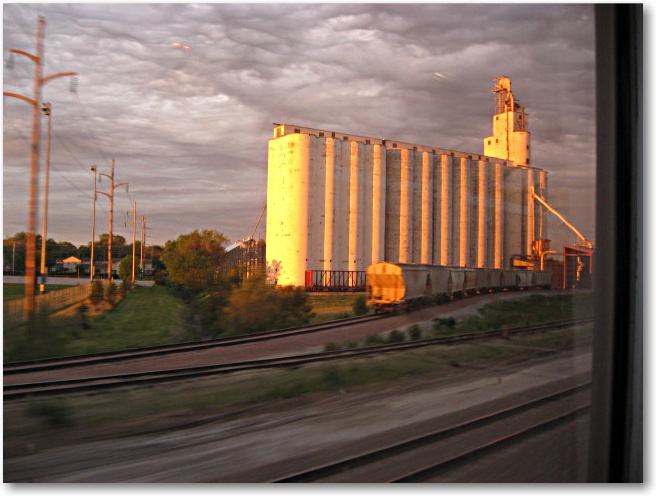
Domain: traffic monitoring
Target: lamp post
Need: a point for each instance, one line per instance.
(47, 110)
(39, 81)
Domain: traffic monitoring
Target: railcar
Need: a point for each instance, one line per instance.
(395, 286)
(541, 279)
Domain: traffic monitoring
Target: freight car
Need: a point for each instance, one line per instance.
(395, 286)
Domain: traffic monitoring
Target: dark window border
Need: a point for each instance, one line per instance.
(616, 446)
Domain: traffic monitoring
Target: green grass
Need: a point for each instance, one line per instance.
(147, 316)
(331, 306)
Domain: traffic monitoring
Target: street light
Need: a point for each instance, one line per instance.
(39, 81)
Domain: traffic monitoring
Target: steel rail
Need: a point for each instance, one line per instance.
(166, 349)
(372, 456)
(519, 435)
(67, 386)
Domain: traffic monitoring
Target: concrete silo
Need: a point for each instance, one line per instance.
(339, 202)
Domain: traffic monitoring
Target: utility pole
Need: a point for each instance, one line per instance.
(92, 269)
(39, 81)
(110, 195)
(134, 238)
(143, 244)
(142, 218)
(47, 110)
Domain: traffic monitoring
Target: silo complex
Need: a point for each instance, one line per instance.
(340, 202)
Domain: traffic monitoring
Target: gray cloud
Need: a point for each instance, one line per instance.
(189, 128)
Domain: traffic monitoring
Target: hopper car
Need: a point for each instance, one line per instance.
(397, 286)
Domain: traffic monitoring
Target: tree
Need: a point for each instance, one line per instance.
(125, 269)
(119, 246)
(14, 252)
(117, 240)
(193, 260)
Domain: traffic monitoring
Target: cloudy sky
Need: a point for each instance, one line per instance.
(188, 128)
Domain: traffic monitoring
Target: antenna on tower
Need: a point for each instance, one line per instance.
(73, 84)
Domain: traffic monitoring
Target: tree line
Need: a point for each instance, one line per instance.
(14, 249)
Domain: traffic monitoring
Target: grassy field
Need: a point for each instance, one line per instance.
(147, 316)
(331, 306)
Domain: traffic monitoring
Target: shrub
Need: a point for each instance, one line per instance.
(396, 336)
(97, 292)
(360, 305)
(331, 347)
(449, 323)
(110, 293)
(415, 332)
(373, 340)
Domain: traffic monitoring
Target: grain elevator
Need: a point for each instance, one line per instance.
(340, 202)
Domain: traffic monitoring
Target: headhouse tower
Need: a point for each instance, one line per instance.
(511, 138)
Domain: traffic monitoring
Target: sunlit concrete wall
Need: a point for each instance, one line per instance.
(326, 202)
(288, 212)
(358, 200)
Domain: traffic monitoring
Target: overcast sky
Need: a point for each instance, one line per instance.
(189, 127)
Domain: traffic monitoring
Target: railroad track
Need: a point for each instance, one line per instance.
(427, 456)
(131, 354)
(68, 386)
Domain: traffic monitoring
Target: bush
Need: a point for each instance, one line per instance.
(373, 340)
(415, 332)
(97, 292)
(331, 347)
(360, 305)
(256, 306)
(124, 288)
(449, 323)
(111, 293)
(160, 277)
